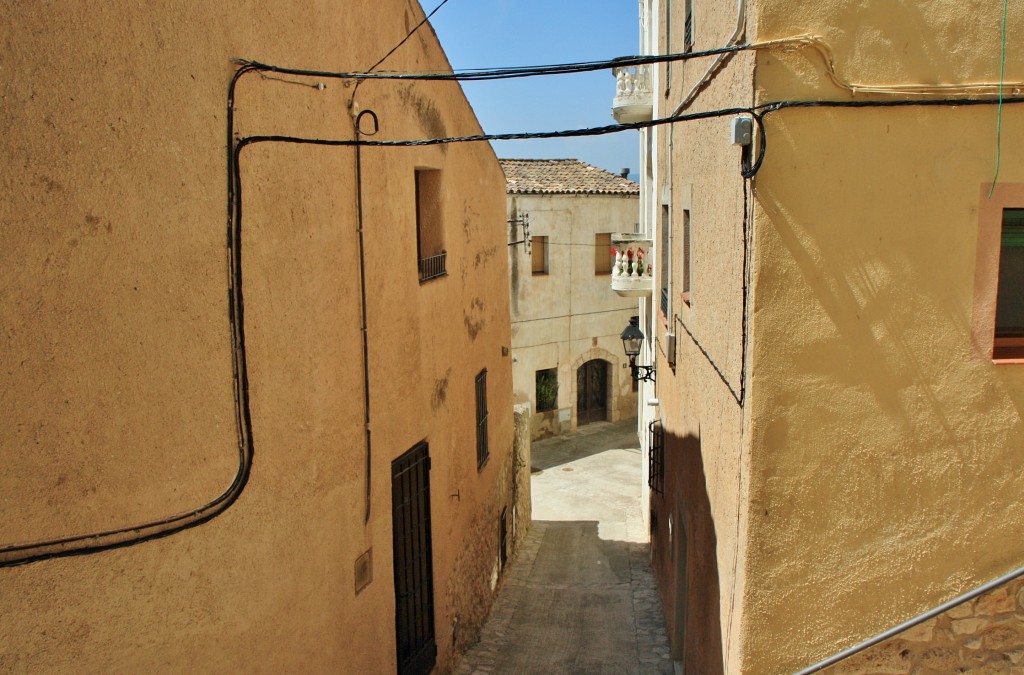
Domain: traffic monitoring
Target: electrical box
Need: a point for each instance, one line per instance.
(741, 130)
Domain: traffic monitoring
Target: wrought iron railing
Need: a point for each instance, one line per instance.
(656, 460)
(433, 267)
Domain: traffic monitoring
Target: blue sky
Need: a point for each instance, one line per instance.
(498, 33)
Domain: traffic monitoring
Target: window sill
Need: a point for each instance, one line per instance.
(1008, 353)
(540, 274)
(685, 295)
(1008, 350)
(481, 465)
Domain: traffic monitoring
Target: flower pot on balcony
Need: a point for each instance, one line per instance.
(633, 270)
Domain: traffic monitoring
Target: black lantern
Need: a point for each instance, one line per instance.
(632, 340)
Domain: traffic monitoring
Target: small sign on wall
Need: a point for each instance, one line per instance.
(364, 570)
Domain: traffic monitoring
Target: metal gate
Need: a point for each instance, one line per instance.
(414, 575)
(592, 392)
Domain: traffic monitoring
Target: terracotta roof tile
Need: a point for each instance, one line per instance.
(563, 176)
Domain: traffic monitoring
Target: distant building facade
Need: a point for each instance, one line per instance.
(567, 355)
(325, 482)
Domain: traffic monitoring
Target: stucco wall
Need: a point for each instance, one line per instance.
(881, 434)
(698, 170)
(570, 315)
(118, 404)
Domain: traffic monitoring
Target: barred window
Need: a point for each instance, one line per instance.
(656, 473)
(482, 452)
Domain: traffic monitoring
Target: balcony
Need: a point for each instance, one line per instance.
(433, 267)
(633, 271)
(633, 101)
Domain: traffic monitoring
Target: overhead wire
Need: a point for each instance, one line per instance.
(109, 539)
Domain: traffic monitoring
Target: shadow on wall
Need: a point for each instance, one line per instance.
(685, 560)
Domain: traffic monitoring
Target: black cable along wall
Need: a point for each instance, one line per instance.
(128, 536)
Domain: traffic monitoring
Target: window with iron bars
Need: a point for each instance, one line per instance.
(431, 255)
(482, 452)
(656, 466)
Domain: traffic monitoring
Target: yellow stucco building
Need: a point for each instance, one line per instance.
(835, 433)
(281, 446)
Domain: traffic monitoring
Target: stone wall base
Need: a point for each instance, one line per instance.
(983, 635)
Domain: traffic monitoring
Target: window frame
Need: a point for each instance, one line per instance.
(602, 254)
(665, 261)
(431, 255)
(989, 345)
(1012, 335)
(545, 246)
(482, 449)
(552, 372)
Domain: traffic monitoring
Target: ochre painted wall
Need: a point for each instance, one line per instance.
(117, 396)
(698, 171)
(884, 442)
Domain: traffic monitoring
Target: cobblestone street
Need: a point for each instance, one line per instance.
(579, 597)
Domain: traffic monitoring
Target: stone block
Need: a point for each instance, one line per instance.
(941, 659)
(973, 643)
(1020, 599)
(998, 601)
(920, 633)
(1016, 656)
(1005, 636)
(961, 611)
(999, 666)
(969, 626)
(888, 658)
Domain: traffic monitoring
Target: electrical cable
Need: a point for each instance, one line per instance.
(127, 536)
(999, 113)
(486, 74)
(409, 35)
(116, 538)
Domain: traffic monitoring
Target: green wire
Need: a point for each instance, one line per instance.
(999, 114)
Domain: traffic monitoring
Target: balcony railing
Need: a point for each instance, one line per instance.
(633, 101)
(433, 267)
(633, 270)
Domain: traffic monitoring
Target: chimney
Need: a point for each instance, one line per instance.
(625, 172)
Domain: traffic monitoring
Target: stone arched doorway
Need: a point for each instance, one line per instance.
(592, 392)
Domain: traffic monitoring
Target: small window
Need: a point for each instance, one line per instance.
(1010, 294)
(688, 27)
(547, 389)
(429, 227)
(665, 259)
(482, 452)
(687, 255)
(656, 460)
(540, 254)
(603, 253)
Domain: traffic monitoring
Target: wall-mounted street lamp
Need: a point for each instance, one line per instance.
(632, 340)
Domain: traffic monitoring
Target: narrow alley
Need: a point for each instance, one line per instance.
(579, 597)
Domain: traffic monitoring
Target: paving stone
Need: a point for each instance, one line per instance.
(579, 595)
